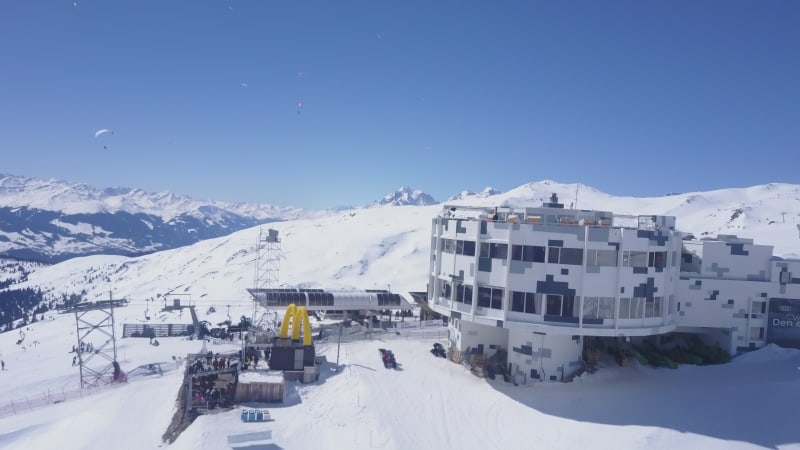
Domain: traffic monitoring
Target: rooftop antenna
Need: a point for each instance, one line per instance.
(577, 185)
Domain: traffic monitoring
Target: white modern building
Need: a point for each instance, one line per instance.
(538, 282)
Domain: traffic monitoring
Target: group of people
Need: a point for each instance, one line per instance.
(83, 347)
(252, 356)
(213, 362)
(214, 395)
(205, 387)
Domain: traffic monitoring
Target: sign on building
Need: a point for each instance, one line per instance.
(784, 322)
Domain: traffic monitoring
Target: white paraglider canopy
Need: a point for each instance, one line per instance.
(99, 133)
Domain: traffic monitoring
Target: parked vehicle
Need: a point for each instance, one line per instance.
(438, 350)
(388, 358)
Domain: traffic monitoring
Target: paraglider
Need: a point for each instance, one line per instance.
(299, 106)
(102, 132)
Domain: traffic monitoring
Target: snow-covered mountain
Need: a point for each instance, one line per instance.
(381, 247)
(767, 213)
(463, 195)
(406, 196)
(79, 198)
(51, 220)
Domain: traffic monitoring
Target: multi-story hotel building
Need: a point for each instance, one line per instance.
(539, 281)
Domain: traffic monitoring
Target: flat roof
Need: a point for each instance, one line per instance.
(322, 300)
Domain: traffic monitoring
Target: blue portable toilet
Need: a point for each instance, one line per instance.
(244, 416)
(251, 416)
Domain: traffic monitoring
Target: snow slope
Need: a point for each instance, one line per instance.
(426, 402)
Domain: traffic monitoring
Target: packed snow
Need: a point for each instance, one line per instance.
(426, 402)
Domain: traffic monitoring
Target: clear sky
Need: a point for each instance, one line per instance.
(632, 98)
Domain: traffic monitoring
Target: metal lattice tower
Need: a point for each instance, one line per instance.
(95, 319)
(268, 258)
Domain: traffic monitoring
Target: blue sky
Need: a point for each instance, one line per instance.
(632, 98)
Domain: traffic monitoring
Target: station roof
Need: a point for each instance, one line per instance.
(322, 300)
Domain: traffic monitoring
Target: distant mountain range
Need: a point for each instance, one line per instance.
(469, 194)
(52, 220)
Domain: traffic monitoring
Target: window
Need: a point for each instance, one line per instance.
(527, 253)
(558, 305)
(498, 251)
(527, 302)
(534, 253)
(446, 289)
(652, 307)
(606, 308)
(449, 246)
(598, 307)
(624, 308)
(489, 297)
(756, 333)
(464, 294)
(558, 255)
(572, 256)
(591, 307)
(634, 259)
(518, 301)
(497, 299)
(484, 297)
(657, 260)
(604, 258)
(568, 306)
(465, 248)
(553, 254)
(637, 307)
(553, 305)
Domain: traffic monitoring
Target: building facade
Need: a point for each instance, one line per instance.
(538, 282)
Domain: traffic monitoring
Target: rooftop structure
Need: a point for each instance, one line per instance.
(322, 300)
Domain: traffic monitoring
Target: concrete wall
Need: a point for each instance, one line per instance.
(466, 335)
(536, 357)
(736, 260)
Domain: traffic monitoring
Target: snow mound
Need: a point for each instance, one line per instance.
(771, 352)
